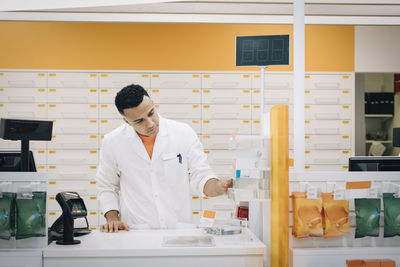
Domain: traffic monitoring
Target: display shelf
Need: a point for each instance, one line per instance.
(378, 115)
(381, 141)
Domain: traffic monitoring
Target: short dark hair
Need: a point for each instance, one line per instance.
(129, 97)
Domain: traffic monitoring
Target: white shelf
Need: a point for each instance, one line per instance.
(378, 115)
(383, 142)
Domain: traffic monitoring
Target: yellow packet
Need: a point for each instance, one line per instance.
(306, 215)
(336, 218)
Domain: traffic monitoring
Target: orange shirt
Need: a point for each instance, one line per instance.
(148, 142)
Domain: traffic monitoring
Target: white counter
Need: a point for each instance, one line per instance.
(144, 248)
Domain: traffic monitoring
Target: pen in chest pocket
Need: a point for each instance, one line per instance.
(179, 158)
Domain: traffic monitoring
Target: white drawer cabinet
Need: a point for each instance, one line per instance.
(256, 111)
(256, 125)
(226, 127)
(16, 144)
(175, 81)
(275, 81)
(179, 111)
(120, 80)
(226, 96)
(196, 203)
(223, 157)
(327, 142)
(76, 172)
(328, 112)
(328, 97)
(76, 141)
(108, 111)
(23, 79)
(107, 96)
(23, 95)
(328, 167)
(82, 187)
(226, 80)
(75, 126)
(73, 80)
(217, 203)
(89, 157)
(107, 125)
(73, 111)
(329, 81)
(322, 127)
(181, 96)
(226, 112)
(324, 157)
(195, 124)
(23, 111)
(273, 97)
(40, 156)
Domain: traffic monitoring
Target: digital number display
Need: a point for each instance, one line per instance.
(262, 50)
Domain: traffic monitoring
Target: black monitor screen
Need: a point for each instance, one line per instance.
(10, 161)
(359, 164)
(262, 50)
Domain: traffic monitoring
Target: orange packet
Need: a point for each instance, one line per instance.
(336, 216)
(306, 215)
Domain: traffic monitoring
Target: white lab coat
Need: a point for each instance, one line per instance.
(152, 192)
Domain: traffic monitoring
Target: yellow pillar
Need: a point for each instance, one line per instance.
(279, 186)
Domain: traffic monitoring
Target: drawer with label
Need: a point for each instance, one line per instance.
(40, 156)
(75, 126)
(195, 124)
(226, 80)
(256, 112)
(275, 81)
(327, 142)
(327, 97)
(196, 203)
(23, 111)
(76, 141)
(73, 80)
(109, 111)
(175, 80)
(107, 126)
(181, 96)
(16, 144)
(75, 172)
(226, 127)
(273, 97)
(23, 95)
(120, 80)
(328, 81)
(82, 187)
(223, 157)
(179, 111)
(341, 127)
(328, 167)
(256, 127)
(223, 171)
(327, 112)
(78, 157)
(226, 96)
(73, 95)
(73, 111)
(337, 157)
(107, 96)
(224, 112)
(217, 203)
(23, 79)
(222, 142)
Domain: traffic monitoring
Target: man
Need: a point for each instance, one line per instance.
(148, 166)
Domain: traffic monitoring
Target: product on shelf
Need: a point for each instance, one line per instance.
(391, 215)
(306, 215)
(336, 216)
(367, 216)
(31, 215)
(355, 263)
(7, 215)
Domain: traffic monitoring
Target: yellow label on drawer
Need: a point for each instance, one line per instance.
(52, 213)
(206, 91)
(93, 213)
(104, 121)
(256, 121)
(93, 198)
(206, 76)
(1, 74)
(93, 228)
(1, 105)
(93, 152)
(196, 91)
(196, 76)
(256, 91)
(52, 198)
(155, 75)
(52, 74)
(307, 76)
(93, 121)
(195, 106)
(196, 212)
(93, 75)
(102, 136)
(104, 90)
(52, 182)
(41, 105)
(246, 91)
(145, 75)
(52, 167)
(206, 121)
(39, 90)
(346, 77)
(246, 76)
(206, 137)
(92, 182)
(93, 106)
(195, 197)
(104, 75)
(41, 152)
(93, 136)
(256, 76)
(41, 74)
(307, 91)
(104, 106)
(155, 91)
(345, 122)
(93, 90)
(206, 106)
(346, 137)
(256, 107)
(205, 197)
(346, 92)
(291, 162)
(157, 106)
(306, 137)
(307, 107)
(195, 121)
(206, 151)
(93, 167)
(306, 167)
(307, 122)
(52, 152)
(246, 106)
(41, 167)
(345, 152)
(246, 121)
(53, 136)
(345, 167)
(307, 152)
(346, 107)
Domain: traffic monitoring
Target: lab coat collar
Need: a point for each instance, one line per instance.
(138, 144)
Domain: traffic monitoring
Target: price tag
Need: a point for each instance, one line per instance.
(372, 193)
(312, 193)
(208, 218)
(338, 194)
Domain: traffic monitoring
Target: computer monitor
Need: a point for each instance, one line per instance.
(10, 161)
(381, 164)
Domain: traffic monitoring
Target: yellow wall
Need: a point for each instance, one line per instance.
(156, 46)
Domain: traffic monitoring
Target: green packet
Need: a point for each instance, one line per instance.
(392, 216)
(7, 215)
(31, 216)
(367, 216)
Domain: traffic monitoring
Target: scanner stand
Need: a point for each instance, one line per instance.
(68, 234)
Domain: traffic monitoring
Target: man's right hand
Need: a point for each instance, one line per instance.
(113, 223)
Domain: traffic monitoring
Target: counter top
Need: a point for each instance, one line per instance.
(149, 243)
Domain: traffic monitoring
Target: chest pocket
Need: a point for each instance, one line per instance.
(174, 169)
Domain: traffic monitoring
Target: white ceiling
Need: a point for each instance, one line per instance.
(355, 12)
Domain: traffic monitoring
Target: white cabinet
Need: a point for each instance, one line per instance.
(328, 112)
(73, 111)
(75, 126)
(108, 111)
(175, 81)
(225, 80)
(274, 81)
(226, 96)
(329, 81)
(226, 127)
(322, 127)
(73, 95)
(179, 111)
(225, 112)
(23, 111)
(120, 80)
(82, 187)
(23, 95)
(73, 80)
(70, 171)
(23, 79)
(88, 157)
(76, 141)
(327, 142)
(107, 126)
(325, 157)
(182, 96)
(273, 97)
(328, 97)
(195, 124)
(256, 111)
(223, 157)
